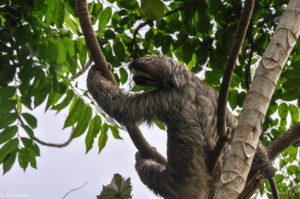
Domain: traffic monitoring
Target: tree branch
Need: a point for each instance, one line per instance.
(91, 40)
(72, 190)
(224, 90)
(87, 65)
(47, 143)
(283, 141)
(134, 132)
(66, 143)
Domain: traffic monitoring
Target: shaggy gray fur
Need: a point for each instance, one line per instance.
(186, 105)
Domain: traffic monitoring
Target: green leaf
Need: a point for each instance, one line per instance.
(70, 45)
(32, 161)
(93, 130)
(278, 178)
(119, 50)
(159, 124)
(233, 99)
(166, 43)
(59, 14)
(28, 130)
(23, 159)
(51, 6)
(115, 132)
(124, 75)
(61, 52)
(283, 110)
(97, 8)
(7, 105)
(71, 24)
(53, 97)
(292, 169)
(70, 7)
(128, 4)
(7, 119)
(118, 188)
(75, 112)
(7, 92)
(27, 102)
(30, 119)
(8, 147)
(38, 5)
(109, 34)
(8, 133)
(65, 102)
(83, 122)
(41, 94)
(103, 137)
(30, 151)
(52, 47)
(203, 22)
(294, 113)
(107, 51)
(82, 50)
(104, 17)
(31, 147)
(9, 162)
(292, 151)
(153, 9)
(187, 52)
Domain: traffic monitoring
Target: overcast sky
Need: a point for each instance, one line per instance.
(61, 169)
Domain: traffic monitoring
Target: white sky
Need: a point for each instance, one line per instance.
(61, 169)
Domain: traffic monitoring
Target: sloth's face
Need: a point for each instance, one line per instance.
(146, 72)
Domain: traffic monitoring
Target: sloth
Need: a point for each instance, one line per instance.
(188, 108)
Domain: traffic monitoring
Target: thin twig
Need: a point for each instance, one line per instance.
(43, 142)
(224, 90)
(87, 65)
(66, 143)
(72, 190)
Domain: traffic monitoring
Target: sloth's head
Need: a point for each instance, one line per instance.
(158, 71)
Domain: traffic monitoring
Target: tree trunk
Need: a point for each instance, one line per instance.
(238, 160)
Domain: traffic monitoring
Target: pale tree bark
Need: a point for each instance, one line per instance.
(238, 160)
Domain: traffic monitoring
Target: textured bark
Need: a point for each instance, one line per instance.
(238, 160)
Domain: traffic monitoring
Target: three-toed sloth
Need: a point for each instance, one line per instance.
(186, 105)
